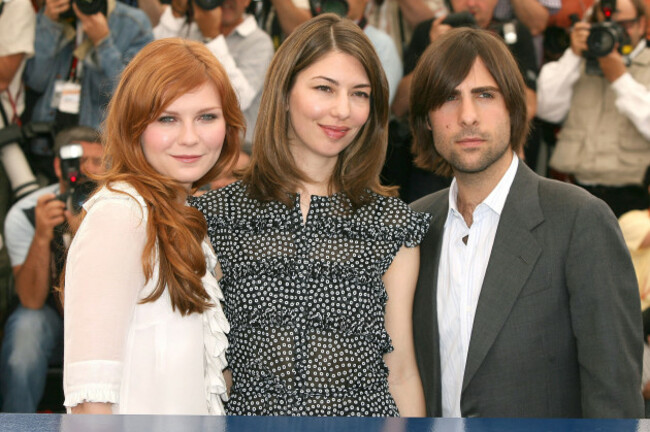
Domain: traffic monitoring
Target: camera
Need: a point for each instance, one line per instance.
(338, 7)
(90, 7)
(78, 187)
(87, 7)
(604, 37)
(460, 19)
(208, 4)
(201, 4)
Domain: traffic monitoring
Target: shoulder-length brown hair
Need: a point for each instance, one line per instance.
(442, 67)
(273, 174)
(160, 73)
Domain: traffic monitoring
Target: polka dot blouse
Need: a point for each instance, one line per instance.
(306, 301)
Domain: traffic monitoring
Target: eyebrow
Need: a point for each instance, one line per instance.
(477, 90)
(485, 89)
(333, 81)
(203, 110)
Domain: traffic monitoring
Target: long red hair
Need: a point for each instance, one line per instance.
(160, 73)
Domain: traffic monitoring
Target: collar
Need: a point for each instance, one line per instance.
(497, 198)
(246, 27)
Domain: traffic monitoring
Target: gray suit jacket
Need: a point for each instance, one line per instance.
(557, 331)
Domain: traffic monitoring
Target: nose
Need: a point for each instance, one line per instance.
(468, 114)
(189, 135)
(341, 107)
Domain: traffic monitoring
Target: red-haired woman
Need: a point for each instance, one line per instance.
(144, 329)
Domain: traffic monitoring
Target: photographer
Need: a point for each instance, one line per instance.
(604, 144)
(78, 56)
(233, 37)
(35, 240)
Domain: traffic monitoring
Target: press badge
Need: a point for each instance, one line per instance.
(70, 97)
(56, 96)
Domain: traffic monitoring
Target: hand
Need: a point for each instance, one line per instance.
(612, 65)
(209, 21)
(54, 8)
(179, 8)
(49, 213)
(438, 28)
(579, 35)
(95, 25)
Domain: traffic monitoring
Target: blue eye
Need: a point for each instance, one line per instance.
(486, 95)
(209, 117)
(165, 119)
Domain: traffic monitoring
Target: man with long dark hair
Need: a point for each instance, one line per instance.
(527, 303)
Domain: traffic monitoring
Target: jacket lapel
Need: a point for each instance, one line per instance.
(513, 257)
(425, 307)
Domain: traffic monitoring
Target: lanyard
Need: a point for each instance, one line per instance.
(76, 68)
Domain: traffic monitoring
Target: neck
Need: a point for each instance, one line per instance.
(317, 170)
(473, 188)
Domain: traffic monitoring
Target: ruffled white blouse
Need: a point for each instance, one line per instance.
(143, 358)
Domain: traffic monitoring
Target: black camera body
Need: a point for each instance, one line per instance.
(460, 19)
(87, 7)
(91, 7)
(605, 36)
(78, 186)
(208, 4)
(338, 7)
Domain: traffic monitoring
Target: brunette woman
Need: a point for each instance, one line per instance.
(319, 260)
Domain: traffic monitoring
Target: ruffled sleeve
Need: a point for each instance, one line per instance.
(417, 227)
(215, 327)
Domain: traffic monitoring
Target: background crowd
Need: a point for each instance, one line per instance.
(60, 63)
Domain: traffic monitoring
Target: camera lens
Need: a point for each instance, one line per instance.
(601, 41)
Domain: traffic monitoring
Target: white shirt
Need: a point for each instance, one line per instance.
(143, 358)
(555, 90)
(460, 278)
(19, 231)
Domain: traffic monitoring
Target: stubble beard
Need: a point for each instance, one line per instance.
(489, 153)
